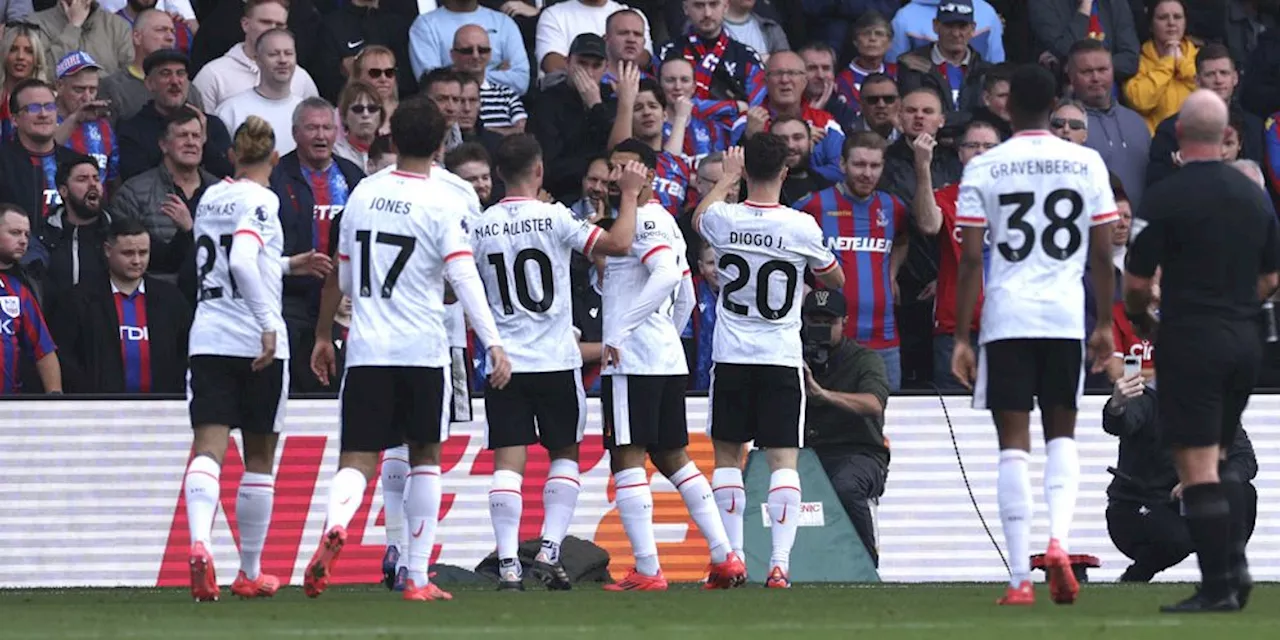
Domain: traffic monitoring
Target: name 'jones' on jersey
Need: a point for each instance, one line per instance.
(1039, 197)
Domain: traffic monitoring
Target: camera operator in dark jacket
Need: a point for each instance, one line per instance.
(844, 420)
(1143, 502)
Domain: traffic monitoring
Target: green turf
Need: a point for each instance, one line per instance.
(936, 612)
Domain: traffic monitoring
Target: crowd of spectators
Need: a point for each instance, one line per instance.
(115, 115)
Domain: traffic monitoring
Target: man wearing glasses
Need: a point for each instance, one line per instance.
(951, 64)
(501, 110)
(880, 107)
(785, 82)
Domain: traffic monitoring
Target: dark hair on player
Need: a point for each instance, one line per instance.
(63, 174)
(1213, 51)
(23, 85)
(654, 87)
(380, 146)
(765, 155)
(863, 140)
(995, 75)
(1033, 92)
(515, 157)
(253, 141)
(125, 226)
(773, 124)
(418, 127)
(439, 75)
(647, 156)
(1087, 45)
(182, 116)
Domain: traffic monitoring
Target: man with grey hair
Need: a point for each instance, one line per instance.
(273, 99)
(125, 90)
(1214, 235)
(312, 184)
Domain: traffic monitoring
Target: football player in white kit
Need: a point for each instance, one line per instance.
(524, 247)
(403, 234)
(757, 380)
(1049, 209)
(238, 378)
(647, 298)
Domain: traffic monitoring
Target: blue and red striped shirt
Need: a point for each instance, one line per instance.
(49, 198)
(849, 82)
(22, 327)
(329, 190)
(135, 338)
(97, 140)
(702, 328)
(861, 233)
(671, 183)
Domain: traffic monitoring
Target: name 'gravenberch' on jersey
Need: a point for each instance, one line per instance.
(1039, 167)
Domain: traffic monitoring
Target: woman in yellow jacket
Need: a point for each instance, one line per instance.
(1167, 69)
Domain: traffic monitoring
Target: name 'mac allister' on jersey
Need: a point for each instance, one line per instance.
(223, 324)
(653, 347)
(761, 254)
(523, 248)
(1039, 196)
(398, 232)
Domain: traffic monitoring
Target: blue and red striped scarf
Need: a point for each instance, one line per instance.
(705, 60)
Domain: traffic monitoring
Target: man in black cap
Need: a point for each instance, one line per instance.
(844, 419)
(951, 65)
(572, 121)
(166, 76)
(126, 90)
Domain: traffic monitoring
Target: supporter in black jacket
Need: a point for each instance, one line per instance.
(970, 91)
(95, 317)
(572, 124)
(352, 27)
(1260, 93)
(74, 234)
(139, 139)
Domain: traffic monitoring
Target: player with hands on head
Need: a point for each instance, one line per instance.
(757, 380)
(402, 236)
(526, 247)
(647, 298)
(238, 378)
(1049, 208)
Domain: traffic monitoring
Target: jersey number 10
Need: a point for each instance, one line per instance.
(499, 262)
(1024, 200)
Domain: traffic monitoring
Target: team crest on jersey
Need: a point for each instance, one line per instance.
(882, 220)
(649, 225)
(11, 306)
(463, 222)
(261, 214)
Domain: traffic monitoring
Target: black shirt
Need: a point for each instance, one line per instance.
(1213, 232)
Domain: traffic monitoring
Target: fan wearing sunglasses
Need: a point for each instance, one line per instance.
(1070, 122)
(501, 110)
(376, 66)
(362, 116)
(880, 107)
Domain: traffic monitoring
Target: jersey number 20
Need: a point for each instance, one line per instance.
(767, 269)
(1048, 239)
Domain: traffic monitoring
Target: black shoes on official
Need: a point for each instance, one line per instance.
(552, 574)
(1244, 585)
(1202, 603)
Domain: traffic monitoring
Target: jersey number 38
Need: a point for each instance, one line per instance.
(1060, 227)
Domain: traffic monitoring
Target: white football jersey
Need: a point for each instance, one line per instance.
(654, 348)
(761, 254)
(1039, 196)
(455, 318)
(223, 324)
(398, 231)
(523, 248)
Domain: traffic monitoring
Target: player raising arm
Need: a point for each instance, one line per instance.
(757, 384)
(526, 247)
(1049, 207)
(238, 378)
(402, 236)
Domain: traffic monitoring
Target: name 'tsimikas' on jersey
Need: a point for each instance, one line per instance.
(1039, 196)
(761, 252)
(223, 324)
(523, 248)
(652, 347)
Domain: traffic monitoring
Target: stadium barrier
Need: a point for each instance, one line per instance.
(90, 495)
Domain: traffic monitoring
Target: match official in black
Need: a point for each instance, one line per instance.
(1214, 234)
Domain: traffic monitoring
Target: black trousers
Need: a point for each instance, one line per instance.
(1155, 536)
(857, 478)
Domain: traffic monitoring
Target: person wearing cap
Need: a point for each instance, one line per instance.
(82, 116)
(81, 25)
(431, 37)
(561, 22)
(844, 417)
(169, 86)
(125, 89)
(951, 65)
(723, 68)
(573, 121)
(913, 27)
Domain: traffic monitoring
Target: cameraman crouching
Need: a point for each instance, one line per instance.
(1143, 502)
(844, 420)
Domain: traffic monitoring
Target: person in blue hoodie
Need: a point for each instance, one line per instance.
(913, 28)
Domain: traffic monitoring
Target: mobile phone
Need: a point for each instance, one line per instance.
(1132, 365)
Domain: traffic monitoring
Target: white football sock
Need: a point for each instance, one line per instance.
(1013, 492)
(731, 497)
(505, 506)
(559, 499)
(422, 512)
(253, 517)
(346, 491)
(784, 512)
(203, 489)
(1061, 485)
(635, 506)
(395, 472)
(701, 502)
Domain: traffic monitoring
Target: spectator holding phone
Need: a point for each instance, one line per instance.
(82, 117)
